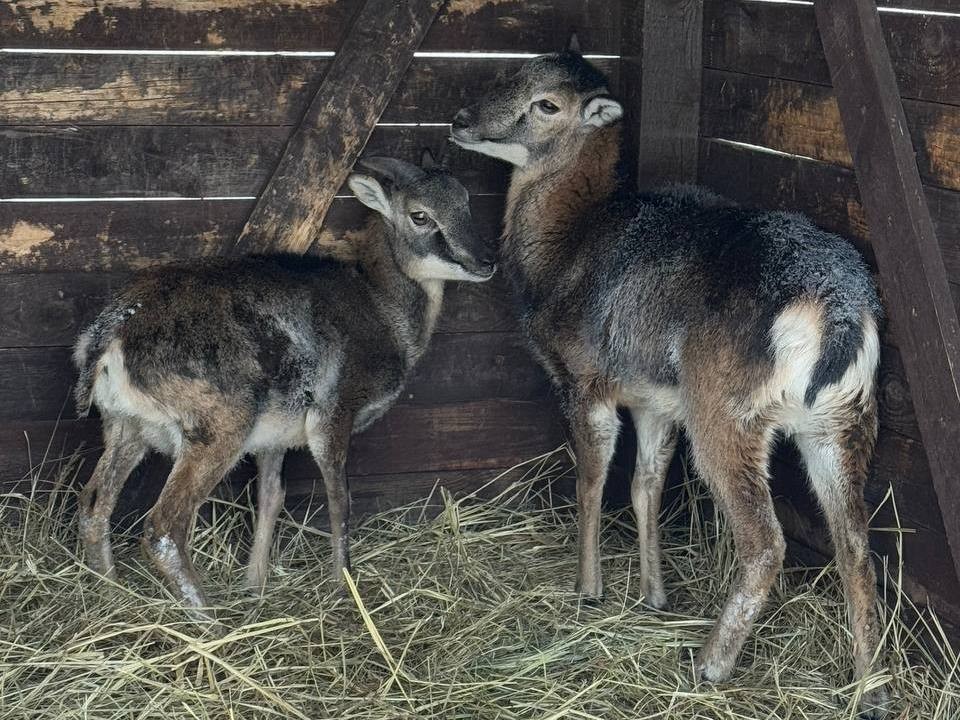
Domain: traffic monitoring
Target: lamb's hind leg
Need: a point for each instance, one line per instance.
(837, 458)
(123, 450)
(656, 442)
(269, 504)
(169, 523)
(733, 460)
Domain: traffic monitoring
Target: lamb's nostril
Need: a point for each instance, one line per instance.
(463, 120)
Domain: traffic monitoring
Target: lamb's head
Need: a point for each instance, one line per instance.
(544, 111)
(428, 212)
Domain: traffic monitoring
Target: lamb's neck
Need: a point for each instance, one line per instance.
(546, 201)
(433, 289)
(410, 307)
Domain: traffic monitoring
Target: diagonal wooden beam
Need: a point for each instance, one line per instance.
(911, 267)
(337, 124)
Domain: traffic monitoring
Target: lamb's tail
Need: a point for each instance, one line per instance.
(842, 339)
(90, 346)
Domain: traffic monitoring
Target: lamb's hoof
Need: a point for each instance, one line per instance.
(196, 604)
(107, 573)
(202, 615)
(339, 588)
(710, 668)
(592, 600)
(254, 583)
(591, 594)
(656, 601)
(99, 558)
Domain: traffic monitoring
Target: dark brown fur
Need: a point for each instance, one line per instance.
(218, 359)
(692, 312)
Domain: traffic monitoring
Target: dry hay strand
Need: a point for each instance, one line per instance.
(468, 614)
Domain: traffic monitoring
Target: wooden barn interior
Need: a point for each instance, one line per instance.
(137, 133)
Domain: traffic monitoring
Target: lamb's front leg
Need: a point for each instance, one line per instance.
(656, 442)
(595, 426)
(329, 439)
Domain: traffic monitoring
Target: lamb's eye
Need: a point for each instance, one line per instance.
(547, 107)
(419, 217)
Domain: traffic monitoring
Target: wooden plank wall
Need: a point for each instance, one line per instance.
(771, 135)
(167, 151)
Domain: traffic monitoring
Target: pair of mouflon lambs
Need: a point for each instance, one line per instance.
(687, 309)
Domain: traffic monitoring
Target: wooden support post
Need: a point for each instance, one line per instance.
(911, 267)
(661, 71)
(335, 127)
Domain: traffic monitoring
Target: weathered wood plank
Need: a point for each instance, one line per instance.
(781, 40)
(630, 90)
(220, 90)
(462, 367)
(116, 235)
(949, 6)
(99, 236)
(669, 91)
(304, 488)
(193, 161)
(336, 125)
(305, 495)
(803, 119)
(518, 25)
(476, 435)
(911, 267)
(826, 193)
(50, 309)
(893, 394)
(36, 382)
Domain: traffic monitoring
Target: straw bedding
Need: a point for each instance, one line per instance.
(468, 614)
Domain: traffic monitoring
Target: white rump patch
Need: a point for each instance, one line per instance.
(796, 338)
(114, 394)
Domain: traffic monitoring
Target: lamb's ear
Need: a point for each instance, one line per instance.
(427, 160)
(601, 111)
(370, 193)
(574, 44)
